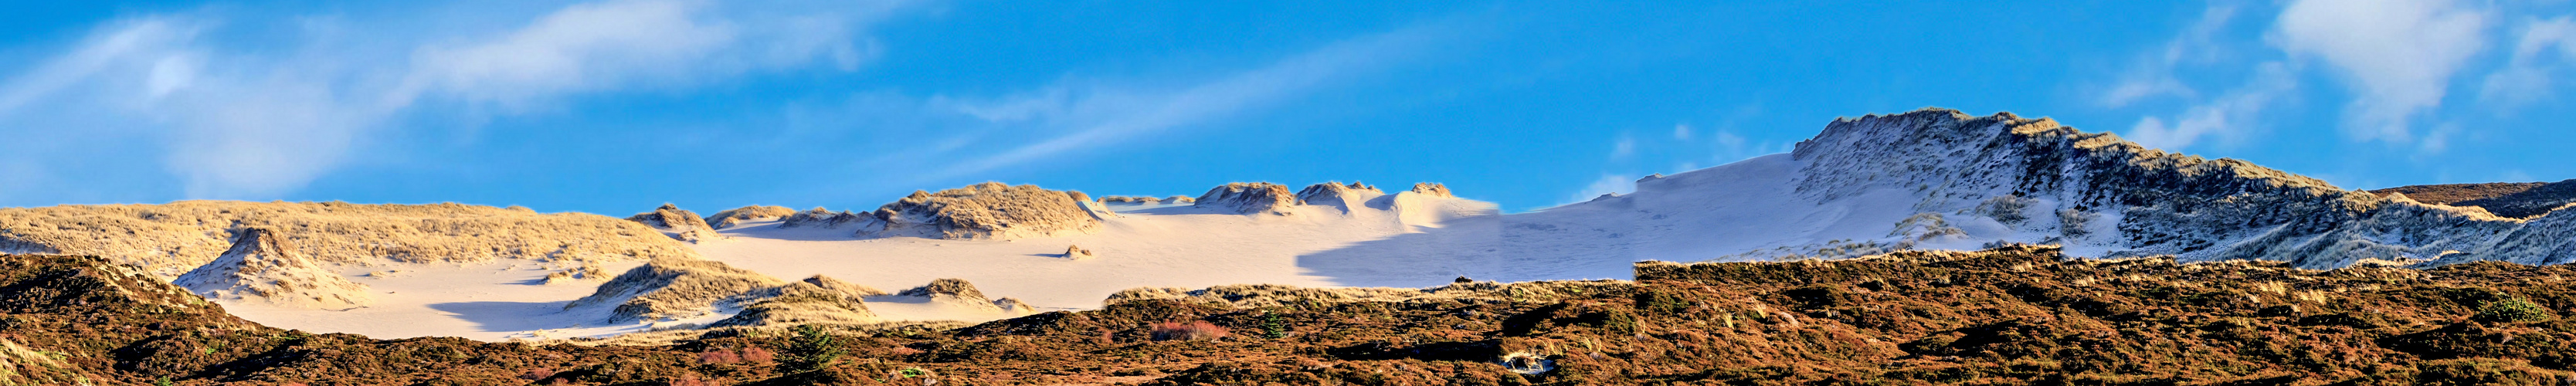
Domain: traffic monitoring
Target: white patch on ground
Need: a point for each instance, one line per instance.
(1147, 245)
(485, 301)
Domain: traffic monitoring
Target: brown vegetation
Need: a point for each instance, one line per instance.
(2508, 199)
(2011, 316)
(2529, 203)
(2450, 194)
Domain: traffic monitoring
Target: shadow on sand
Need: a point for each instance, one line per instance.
(509, 316)
(1507, 248)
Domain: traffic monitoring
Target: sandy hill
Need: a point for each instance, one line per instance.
(263, 267)
(731, 217)
(815, 300)
(1339, 195)
(1249, 198)
(680, 224)
(986, 211)
(690, 293)
(674, 289)
(170, 239)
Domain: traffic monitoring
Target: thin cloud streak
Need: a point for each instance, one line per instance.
(1100, 116)
(253, 123)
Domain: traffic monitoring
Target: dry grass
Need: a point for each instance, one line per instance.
(263, 267)
(2449, 194)
(169, 239)
(731, 217)
(1191, 330)
(1249, 198)
(987, 211)
(675, 287)
(805, 302)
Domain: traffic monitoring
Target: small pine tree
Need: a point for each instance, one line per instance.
(1272, 328)
(811, 350)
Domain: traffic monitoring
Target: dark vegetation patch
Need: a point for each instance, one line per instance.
(2508, 199)
(2451, 194)
(2010, 316)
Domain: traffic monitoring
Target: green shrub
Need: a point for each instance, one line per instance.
(2512, 310)
(1659, 302)
(1619, 321)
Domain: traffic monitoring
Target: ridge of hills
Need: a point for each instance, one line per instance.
(2004, 178)
(171, 239)
(2508, 199)
(1928, 180)
(2450, 194)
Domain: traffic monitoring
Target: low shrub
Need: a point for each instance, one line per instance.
(1192, 330)
(2512, 310)
(719, 356)
(758, 355)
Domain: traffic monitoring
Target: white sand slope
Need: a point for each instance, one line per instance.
(1746, 210)
(261, 268)
(485, 301)
(1146, 245)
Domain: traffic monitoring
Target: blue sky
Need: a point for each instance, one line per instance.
(614, 106)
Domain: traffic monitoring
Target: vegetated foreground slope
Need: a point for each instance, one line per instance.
(2014, 315)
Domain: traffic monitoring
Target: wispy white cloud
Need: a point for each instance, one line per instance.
(582, 47)
(2153, 73)
(1082, 114)
(106, 50)
(2397, 55)
(635, 43)
(1715, 143)
(2230, 118)
(1607, 184)
(2517, 175)
(257, 117)
(2542, 48)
